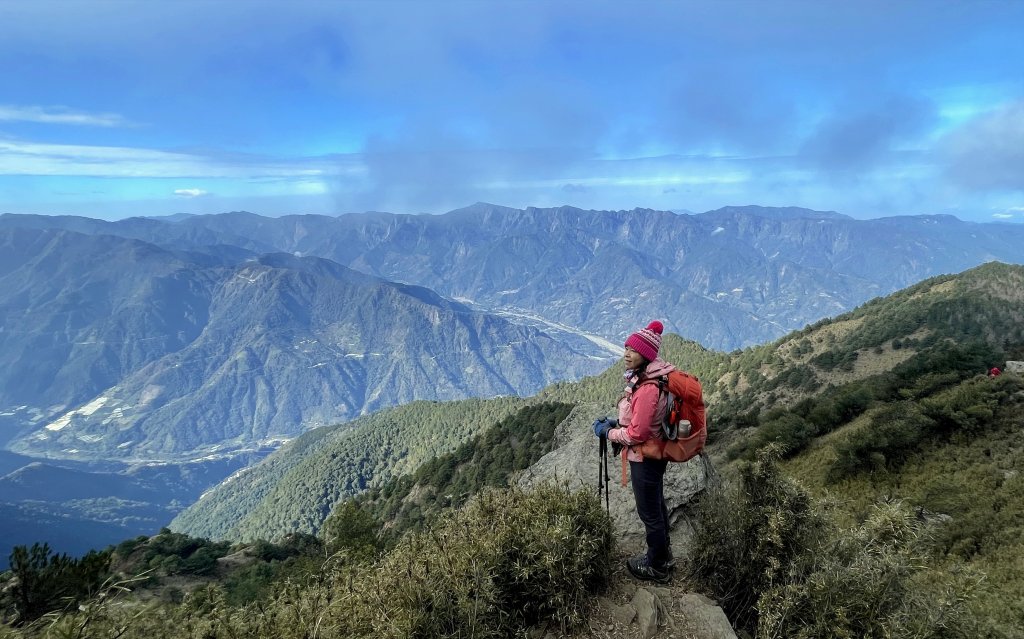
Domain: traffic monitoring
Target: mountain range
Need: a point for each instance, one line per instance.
(135, 376)
(114, 348)
(730, 278)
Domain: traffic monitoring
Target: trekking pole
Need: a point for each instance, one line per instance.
(603, 481)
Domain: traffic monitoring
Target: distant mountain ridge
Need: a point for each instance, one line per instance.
(776, 212)
(729, 278)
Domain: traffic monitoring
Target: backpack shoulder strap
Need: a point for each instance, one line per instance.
(661, 381)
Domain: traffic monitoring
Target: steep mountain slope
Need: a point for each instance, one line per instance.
(913, 418)
(116, 348)
(955, 455)
(295, 488)
(730, 278)
(910, 417)
(78, 313)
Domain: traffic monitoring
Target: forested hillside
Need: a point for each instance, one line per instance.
(931, 335)
(954, 453)
(891, 404)
(413, 501)
(294, 489)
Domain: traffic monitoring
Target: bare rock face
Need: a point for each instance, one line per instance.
(576, 462)
(703, 618)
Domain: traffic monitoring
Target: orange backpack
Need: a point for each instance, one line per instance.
(684, 427)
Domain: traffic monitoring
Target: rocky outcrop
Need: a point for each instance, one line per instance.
(653, 611)
(575, 461)
(703, 618)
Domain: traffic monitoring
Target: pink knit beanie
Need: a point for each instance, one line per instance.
(647, 341)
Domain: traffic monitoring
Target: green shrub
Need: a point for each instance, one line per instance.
(351, 528)
(251, 583)
(840, 406)
(789, 431)
(507, 562)
(871, 581)
(749, 535)
(172, 553)
(41, 581)
(893, 434)
(780, 566)
(904, 428)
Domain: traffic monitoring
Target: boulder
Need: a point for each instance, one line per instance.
(650, 612)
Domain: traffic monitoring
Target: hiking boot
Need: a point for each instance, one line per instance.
(642, 569)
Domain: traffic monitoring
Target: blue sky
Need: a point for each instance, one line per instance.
(113, 109)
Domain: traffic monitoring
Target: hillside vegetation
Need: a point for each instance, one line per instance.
(294, 489)
(413, 501)
(955, 457)
(929, 435)
(507, 562)
(930, 335)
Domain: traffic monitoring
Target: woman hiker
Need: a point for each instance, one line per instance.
(640, 409)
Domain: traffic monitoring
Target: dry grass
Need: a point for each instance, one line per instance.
(941, 288)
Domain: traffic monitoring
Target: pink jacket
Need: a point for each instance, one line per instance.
(640, 411)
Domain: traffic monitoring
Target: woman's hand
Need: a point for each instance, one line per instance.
(603, 425)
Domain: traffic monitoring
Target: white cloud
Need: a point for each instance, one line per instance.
(44, 159)
(1003, 216)
(190, 193)
(60, 115)
(987, 153)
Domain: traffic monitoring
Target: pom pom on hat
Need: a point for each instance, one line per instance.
(647, 341)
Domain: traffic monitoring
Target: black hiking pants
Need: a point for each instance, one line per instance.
(648, 479)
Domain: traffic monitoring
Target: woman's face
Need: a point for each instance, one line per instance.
(632, 359)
